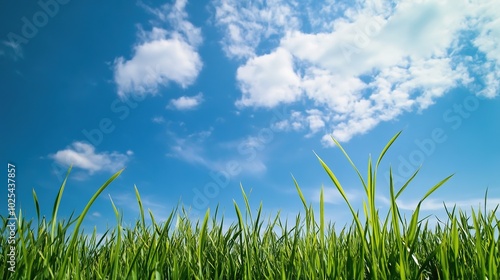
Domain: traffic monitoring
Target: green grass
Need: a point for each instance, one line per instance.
(388, 247)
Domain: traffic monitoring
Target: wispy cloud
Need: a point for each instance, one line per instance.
(84, 156)
(162, 55)
(431, 204)
(15, 49)
(364, 65)
(194, 149)
(190, 148)
(158, 119)
(314, 120)
(332, 196)
(184, 103)
(96, 214)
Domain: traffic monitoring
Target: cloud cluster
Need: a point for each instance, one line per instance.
(248, 23)
(376, 61)
(161, 56)
(84, 156)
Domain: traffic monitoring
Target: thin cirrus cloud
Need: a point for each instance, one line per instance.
(370, 64)
(13, 49)
(184, 103)
(332, 196)
(84, 156)
(158, 120)
(193, 149)
(162, 56)
(432, 204)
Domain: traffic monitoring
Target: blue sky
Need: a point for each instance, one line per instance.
(194, 98)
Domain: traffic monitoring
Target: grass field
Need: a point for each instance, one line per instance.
(466, 246)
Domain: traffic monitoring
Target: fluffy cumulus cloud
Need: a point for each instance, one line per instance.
(161, 56)
(186, 102)
(365, 64)
(84, 156)
(269, 80)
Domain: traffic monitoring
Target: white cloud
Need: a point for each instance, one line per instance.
(156, 63)
(177, 18)
(315, 121)
(283, 125)
(268, 80)
(371, 63)
(189, 152)
(83, 155)
(158, 120)
(487, 23)
(202, 135)
(247, 23)
(296, 122)
(162, 56)
(186, 102)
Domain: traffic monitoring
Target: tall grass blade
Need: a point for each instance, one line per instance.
(201, 243)
(350, 161)
(386, 148)
(343, 194)
(76, 230)
(37, 206)
(55, 209)
(322, 216)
